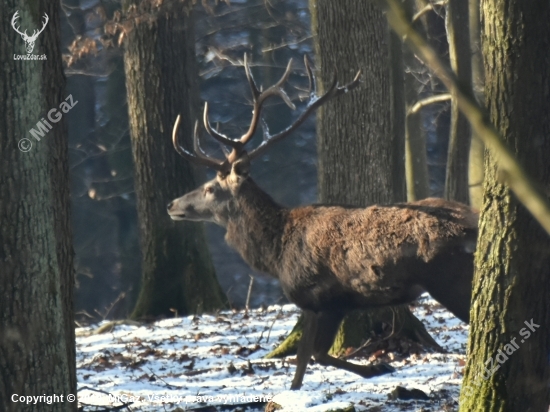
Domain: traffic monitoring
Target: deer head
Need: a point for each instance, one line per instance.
(213, 200)
(29, 40)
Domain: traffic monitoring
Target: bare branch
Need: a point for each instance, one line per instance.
(438, 98)
(428, 8)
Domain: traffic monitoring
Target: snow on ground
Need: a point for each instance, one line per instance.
(214, 363)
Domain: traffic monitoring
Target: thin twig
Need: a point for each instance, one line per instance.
(285, 44)
(428, 8)
(163, 381)
(438, 98)
(248, 295)
(272, 323)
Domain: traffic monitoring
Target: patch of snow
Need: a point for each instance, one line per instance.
(218, 360)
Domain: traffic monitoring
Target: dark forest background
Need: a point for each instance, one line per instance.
(106, 238)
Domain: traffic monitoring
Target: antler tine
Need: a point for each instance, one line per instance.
(220, 137)
(250, 78)
(314, 103)
(310, 76)
(261, 97)
(196, 141)
(198, 158)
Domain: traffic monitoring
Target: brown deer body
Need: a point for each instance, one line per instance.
(331, 260)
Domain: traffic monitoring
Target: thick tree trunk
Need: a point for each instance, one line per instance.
(508, 367)
(458, 35)
(161, 74)
(37, 351)
(355, 137)
(360, 137)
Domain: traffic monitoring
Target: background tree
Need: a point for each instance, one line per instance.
(416, 163)
(512, 278)
(161, 75)
(460, 56)
(477, 148)
(37, 353)
(360, 138)
(360, 141)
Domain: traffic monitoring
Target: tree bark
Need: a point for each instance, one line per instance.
(512, 277)
(37, 350)
(159, 59)
(458, 35)
(355, 138)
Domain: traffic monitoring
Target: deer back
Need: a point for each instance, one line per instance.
(341, 257)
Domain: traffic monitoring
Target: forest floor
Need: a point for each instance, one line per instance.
(213, 363)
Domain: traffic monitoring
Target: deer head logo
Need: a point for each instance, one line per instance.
(29, 40)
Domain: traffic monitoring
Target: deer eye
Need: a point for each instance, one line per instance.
(208, 190)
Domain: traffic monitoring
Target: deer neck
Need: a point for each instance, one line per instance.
(255, 227)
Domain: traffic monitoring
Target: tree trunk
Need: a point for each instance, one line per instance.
(360, 140)
(37, 350)
(355, 138)
(361, 137)
(124, 207)
(159, 60)
(508, 368)
(416, 161)
(477, 148)
(458, 35)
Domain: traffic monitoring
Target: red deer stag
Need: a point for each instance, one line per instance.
(331, 259)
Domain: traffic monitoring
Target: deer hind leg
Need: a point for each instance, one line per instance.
(323, 343)
(317, 338)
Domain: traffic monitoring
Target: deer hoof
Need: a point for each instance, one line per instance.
(377, 370)
(383, 368)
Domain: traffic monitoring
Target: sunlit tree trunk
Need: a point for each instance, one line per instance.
(37, 349)
(161, 75)
(416, 162)
(508, 367)
(477, 148)
(458, 35)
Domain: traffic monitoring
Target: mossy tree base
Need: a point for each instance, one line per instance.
(358, 326)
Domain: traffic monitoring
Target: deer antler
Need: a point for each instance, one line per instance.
(259, 98)
(199, 156)
(314, 103)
